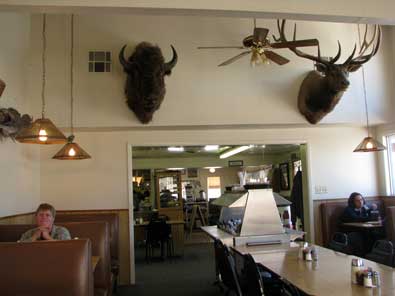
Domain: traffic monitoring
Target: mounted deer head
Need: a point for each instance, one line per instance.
(322, 89)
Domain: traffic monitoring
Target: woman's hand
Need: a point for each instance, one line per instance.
(36, 235)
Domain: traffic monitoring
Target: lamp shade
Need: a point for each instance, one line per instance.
(369, 144)
(42, 131)
(71, 151)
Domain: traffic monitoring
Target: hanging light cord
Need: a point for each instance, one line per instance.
(72, 75)
(43, 65)
(364, 85)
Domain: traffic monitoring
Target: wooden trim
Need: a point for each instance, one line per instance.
(93, 210)
(60, 211)
(17, 215)
(334, 199)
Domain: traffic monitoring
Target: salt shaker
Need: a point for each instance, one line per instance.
(308, 255)
(356, 265)
(314, 254)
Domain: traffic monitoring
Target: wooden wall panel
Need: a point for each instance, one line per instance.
(27, 218)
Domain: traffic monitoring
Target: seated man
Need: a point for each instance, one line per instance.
(357, 211)
(46, 230)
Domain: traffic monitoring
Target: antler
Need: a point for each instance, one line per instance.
(298, 52)
(351, 60)
(364, 46)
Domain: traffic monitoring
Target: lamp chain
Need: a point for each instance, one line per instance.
(72, 75)
(43, 65)
(364, 85)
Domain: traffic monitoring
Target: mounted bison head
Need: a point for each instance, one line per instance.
(145, 83)
(321, 90)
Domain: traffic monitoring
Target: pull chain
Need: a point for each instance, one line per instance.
(43, 65)
(364, 85)
(72, 76)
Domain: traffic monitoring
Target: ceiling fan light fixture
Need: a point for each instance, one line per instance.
(255, 58)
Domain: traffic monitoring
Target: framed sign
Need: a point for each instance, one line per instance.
(235, 163)
(284, 177)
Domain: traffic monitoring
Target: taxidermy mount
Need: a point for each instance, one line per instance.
(145, 84)
(323, 88)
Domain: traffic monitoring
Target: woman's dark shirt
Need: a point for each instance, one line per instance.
(352, 214)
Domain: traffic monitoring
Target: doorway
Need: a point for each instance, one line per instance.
(203, 174)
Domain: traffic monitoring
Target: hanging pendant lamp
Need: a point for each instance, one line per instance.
(368, 144)
(71, 151)
(42, 131)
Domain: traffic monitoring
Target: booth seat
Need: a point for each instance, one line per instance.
(111, 218)
(97, 232)
(46, 268)
(332, 211)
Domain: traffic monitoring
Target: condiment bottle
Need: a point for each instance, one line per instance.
(376, 279)
(367, 279)
(356, 266)
(301, 248)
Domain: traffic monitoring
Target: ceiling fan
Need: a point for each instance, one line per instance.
(260, 47)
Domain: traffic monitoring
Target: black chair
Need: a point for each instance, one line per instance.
(256, 280)
(158, 235)
(339, 243)
(253, 285)
(382, 252)
(226, 268)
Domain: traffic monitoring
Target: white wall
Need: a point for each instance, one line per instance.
(102, 181)
(199, 92)
(19, 164)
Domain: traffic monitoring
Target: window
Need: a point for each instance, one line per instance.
(213, 187)
(99, 61)
(391, 162)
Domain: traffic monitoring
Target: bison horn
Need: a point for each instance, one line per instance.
(126, 65)
(172, 63)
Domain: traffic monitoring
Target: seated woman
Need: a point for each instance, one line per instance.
(357, 210)
(360, 241)
(45, 230)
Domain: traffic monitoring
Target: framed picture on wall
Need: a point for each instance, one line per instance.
(284, 181)
(192, 172)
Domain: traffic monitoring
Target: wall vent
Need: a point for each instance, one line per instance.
(99, 61)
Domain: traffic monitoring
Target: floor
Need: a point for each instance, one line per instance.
(192, 274)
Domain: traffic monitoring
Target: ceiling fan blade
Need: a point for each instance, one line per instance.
(215, 47)
(235, 58)
(279, 60)
(260, 34)
(297, 43)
